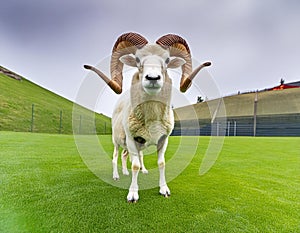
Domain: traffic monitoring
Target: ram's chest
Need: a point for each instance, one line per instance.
(150, 121)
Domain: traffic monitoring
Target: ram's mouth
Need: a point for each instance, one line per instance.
(152, 89)
(153, 86)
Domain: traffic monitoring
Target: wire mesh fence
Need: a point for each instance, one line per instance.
(265, 125)
(63, 122)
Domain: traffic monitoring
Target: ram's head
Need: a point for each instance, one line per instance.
(152, 61)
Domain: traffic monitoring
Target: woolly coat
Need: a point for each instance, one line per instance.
(142, 117)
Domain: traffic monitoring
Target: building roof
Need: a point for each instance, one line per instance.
(285, 86)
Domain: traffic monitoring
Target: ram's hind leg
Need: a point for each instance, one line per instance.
(115, 163)
(124, 162)
(143, 168)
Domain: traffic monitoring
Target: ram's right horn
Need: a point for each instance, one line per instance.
(125, 44)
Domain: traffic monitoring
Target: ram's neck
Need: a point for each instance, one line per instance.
(150, 111)
(150, 120)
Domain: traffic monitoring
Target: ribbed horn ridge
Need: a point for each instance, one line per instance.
(126, 43)
(179, 47)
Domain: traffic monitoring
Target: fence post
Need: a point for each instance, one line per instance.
(228, 128)
(32, 117)
(60, 121)
(79, 124)
(234, 133)
(255, 113)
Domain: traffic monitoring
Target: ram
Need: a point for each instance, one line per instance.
(144, 117)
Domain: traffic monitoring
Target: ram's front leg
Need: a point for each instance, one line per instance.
(133, 195)
(161, 149)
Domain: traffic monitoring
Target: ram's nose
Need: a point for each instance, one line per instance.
(153, 78)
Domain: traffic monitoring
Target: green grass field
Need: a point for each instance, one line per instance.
(253, 187)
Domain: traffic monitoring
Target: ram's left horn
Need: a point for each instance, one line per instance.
(186, 82)
(179, 47)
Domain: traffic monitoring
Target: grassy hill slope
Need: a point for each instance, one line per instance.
(52, 113)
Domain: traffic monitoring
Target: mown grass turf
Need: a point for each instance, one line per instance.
(253, 187)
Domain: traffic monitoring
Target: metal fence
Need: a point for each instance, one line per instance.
(265, 125)
(64, 122)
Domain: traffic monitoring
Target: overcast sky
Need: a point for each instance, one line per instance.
(252, 44)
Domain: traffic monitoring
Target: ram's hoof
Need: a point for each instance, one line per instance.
(132, 197)
(166, 195)
(116, 176)
(144, 171)
(165, 191)
(125, 172)
(132, 201)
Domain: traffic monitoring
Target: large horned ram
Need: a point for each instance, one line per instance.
(145, 117)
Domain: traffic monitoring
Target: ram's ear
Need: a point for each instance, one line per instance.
(129, 60)
(176, 62)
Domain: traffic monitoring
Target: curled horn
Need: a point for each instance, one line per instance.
(125, 44)
(178, 47)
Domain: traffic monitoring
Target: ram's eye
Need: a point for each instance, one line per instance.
(167, 60)
(137, 60)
